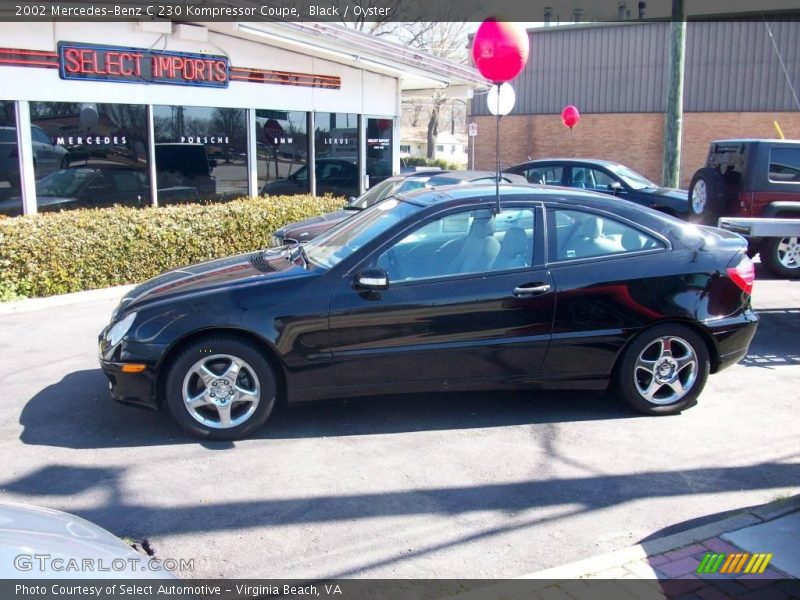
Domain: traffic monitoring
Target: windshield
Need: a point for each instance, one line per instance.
(632, 178)
(341, 241)
(374, 194)
(66, 183)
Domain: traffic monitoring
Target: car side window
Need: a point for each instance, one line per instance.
(592, 179)
(580, 234)
(784, 165)
(545, 175)
(476, 241)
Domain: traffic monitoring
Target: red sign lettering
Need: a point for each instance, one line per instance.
(149, 66)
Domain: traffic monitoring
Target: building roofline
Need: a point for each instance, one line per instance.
(354, 48)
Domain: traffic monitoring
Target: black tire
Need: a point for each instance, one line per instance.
(632, 377)
(782, 256)
(709, 186)
(216, 353)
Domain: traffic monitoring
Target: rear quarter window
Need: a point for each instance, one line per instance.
(784, 165)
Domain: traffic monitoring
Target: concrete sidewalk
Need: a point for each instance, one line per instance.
(772, 529)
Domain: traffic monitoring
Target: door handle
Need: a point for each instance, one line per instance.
(534, 289)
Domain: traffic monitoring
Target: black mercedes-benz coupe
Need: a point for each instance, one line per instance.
(437, 290)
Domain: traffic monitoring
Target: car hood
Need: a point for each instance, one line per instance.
(240, 269)
(30, 530)
(314, 225)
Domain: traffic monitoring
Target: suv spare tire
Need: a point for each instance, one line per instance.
(707, 194)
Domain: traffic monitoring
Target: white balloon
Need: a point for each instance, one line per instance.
(501, 102)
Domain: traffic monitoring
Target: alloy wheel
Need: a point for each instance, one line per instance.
(788, 251)
(665, 370)
(221, 391)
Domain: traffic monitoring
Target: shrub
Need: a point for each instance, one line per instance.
(418, 161)
(70, 251)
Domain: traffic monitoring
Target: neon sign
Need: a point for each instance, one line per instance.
(136, 65)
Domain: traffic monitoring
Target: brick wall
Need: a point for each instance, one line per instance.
(633, 139)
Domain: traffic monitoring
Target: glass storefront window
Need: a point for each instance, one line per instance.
(336, 153)
(201, 153)
(89, 155)
(379, 149)
(282, 151)
(10, 193)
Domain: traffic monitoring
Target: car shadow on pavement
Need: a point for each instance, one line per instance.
(78, 413)
(777, 340)
(143, 517)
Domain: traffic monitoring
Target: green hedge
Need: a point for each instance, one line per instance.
(70, 251)
(418, 161)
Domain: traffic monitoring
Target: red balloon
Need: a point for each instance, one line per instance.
(500, 50)
(570, 116)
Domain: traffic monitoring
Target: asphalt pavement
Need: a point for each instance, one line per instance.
(458, 485)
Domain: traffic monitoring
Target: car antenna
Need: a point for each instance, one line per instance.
(497, 155)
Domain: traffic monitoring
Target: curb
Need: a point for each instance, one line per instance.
(747, 517)
(34, 304)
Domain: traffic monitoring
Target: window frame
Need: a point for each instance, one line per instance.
(551, 240)
(770, 163)
(538, 247)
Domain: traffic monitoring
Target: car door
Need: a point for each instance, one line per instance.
(610, 274)
(461, 304)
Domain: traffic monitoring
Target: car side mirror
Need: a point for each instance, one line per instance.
(373, 278)
(616, 187)
(212, 163)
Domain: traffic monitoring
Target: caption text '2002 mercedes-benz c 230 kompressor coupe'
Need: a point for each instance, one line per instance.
(438, 290)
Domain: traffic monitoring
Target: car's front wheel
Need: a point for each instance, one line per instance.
(220, 388)
(782, 256)
(664, 370)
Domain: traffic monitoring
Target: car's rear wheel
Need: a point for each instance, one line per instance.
(664, 370)
(707, 193)
(782, 256)
(220, 388)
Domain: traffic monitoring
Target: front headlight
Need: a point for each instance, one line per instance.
(118, 330)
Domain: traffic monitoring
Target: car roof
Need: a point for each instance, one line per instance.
(463, 175)
(756, 141)
(571, 161)
(456, 194)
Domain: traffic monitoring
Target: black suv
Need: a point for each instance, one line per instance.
(752, 178)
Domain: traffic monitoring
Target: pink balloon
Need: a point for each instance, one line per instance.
(500, 50)
(570, 116)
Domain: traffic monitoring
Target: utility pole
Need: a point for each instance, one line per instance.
(673, 122)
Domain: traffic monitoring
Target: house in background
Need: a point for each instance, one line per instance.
(451, 147)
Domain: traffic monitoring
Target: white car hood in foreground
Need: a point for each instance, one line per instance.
(38, 543)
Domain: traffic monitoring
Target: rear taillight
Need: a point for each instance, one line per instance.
(743, 274)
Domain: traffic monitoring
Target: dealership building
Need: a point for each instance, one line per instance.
(154, 112)
(741, 78)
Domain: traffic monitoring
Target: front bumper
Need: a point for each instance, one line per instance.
(135, 389)
(732, 337)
